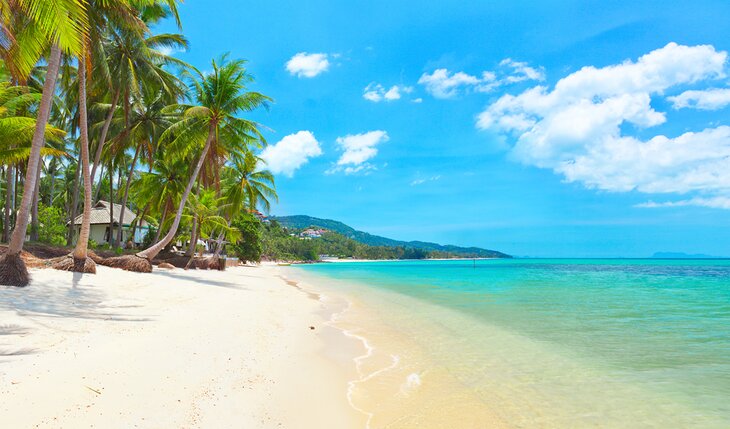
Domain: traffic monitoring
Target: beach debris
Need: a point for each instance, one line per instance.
(311, 327)
(93, 390)
(166, 266)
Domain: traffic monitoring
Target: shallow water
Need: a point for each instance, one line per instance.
(540, 343)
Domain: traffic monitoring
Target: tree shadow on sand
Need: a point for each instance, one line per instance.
(7, 333)
(59, 300)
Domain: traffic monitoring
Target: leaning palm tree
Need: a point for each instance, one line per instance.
(60, 24)
(218, 96)
(16, 135)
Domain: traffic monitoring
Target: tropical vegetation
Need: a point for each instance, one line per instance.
(94, 108)
(270, 240)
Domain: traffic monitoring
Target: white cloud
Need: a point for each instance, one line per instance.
(357, 150)
(444, 84)
(577, 129)
(376, 92)
(521, 71)
(305, 64)
(715, 203)
(421, 181)
(291, 152)
(708, 99)
(417, 100)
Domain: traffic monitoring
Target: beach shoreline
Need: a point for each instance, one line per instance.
(244, 347)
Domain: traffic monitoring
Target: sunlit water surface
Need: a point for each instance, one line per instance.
(540, 343)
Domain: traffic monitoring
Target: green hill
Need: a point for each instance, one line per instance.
(302, 222)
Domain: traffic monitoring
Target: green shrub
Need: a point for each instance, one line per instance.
(52, 225)
(248, 248)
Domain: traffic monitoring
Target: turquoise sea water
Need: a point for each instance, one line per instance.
(640, 343)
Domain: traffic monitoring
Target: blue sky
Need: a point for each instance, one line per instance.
(442, 121)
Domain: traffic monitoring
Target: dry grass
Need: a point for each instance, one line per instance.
(132, 263)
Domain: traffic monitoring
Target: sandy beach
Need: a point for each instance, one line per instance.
(183, 349)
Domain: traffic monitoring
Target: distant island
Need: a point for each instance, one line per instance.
(303, 237)
(682, 255)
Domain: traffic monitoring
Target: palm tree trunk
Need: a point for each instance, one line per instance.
(193, 238)
(34, 224)
(14, 196)
(162, 220)
(140, 218)
(14, 212)
(102, 137)
(193, 242)
(111, 204)
(219, 244)
(74, 206)
(153, 250)
(44, 110)
(80, 252)
(126, 193)
(98, 188)
(8, 202)
(52, 189)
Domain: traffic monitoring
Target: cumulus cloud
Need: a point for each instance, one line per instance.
(578, 129)
(358, 149)
(291, 152)
(376, 92)
(708, 99)
(442, 83)
(305, 64)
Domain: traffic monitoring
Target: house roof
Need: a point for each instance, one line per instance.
(100, 214)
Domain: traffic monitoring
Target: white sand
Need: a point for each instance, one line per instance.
(171, 349)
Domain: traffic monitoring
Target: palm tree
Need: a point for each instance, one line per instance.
(16, 129)
(219, 97)
(16, 134)
(246, 187)
(205, 213)
(133, 62)
(60, 24)
(162, 187)
(100, 13)
(147, 121)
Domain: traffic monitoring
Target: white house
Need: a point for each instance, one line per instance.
(100, 223)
